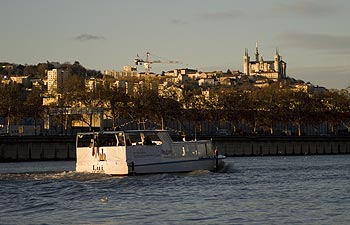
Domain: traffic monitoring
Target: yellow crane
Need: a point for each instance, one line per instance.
(147, 62)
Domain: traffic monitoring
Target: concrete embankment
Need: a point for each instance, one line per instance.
(256, 146)
(63, 147)
(37, 148)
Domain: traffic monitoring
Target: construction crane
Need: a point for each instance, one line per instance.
(147, 62)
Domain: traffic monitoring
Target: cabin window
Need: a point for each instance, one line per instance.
(120, 139)
(106, 140)
(85, 140)
(154, 137)
(135, 139)
(143, 138)
(151, 139)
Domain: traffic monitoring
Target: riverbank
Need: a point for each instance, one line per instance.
(282, 145)
(36, 148)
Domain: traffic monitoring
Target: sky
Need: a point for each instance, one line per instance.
(313, 36)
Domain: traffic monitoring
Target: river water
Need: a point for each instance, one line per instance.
(250, 190)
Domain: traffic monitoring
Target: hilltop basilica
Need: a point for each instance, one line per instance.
(274, 69)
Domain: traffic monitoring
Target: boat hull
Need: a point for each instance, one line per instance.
(177, 166)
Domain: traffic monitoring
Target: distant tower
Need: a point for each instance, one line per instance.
(276, 61)
(283, 67)
(261, 64)
(246, 63)
(256, 52)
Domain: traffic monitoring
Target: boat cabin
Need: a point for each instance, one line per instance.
(122, 138)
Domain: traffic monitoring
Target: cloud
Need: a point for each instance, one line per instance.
(316, 42)
(309, 8)
(88, 37)
(178, 22)
(222, 15)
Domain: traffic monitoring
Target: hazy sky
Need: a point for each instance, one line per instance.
(313, 36)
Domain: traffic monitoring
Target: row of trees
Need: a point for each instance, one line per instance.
(266, 107)
(39, 70)
(255, 108)
(17, 105)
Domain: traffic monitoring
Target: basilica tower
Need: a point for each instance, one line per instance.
(256, 52)
(276, 61)
(246, 63)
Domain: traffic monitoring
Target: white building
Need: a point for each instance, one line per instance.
(23, 80)
(207, 82)
(179, 75)
(55, 80)
(128, 71)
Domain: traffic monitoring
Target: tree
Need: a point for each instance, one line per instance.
(33, 106)
(41, 70)
(74, 89)
(300, 108)
(336, 108)
(168, 109)
(195, 106)
(30, 70)
(77, 69)
(145, 105)
(117, 104)
(10, 95)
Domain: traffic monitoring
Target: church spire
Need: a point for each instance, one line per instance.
(256, 52)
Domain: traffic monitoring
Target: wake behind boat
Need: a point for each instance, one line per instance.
(142, 152)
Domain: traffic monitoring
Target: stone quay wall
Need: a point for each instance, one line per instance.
(37, 148)
(63, 147)
(285, 145)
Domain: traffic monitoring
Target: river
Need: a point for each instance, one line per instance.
(250, 190)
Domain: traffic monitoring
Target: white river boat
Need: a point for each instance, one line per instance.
(142, 152)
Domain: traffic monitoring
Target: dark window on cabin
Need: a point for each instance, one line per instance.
(135, 138)
(147, 140)
(85, 140)
(151, 139)
(120, 138)
(106, 140)
(153, 136)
